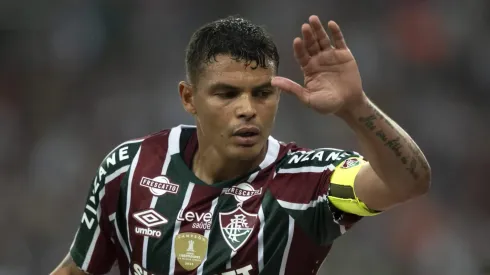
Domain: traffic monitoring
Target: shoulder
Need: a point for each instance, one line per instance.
(119, 159)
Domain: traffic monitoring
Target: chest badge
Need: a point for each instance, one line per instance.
(190, 249)
(236, 227)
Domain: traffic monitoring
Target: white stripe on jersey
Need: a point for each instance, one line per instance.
(145, 238)
(342, 229)
(228, 263)
(302, 206)
(90, 252)
(74, 239)
(134, 163)
(173, 147)
(306, 169)
(187, 198)
(95, 237)
(233, 253)
(116, 174)
(261, 239)
(288, 246)
(121, 241)
(112, 218)
(272, 153)
(206, 234)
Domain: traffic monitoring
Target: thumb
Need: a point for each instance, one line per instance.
(290, 86)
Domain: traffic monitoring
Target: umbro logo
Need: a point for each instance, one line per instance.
(149, 218)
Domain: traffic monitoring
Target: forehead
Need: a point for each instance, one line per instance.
(225, 69)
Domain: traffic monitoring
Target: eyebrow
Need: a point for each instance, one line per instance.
(220, 85)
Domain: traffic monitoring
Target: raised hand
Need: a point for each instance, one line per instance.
(332, 82)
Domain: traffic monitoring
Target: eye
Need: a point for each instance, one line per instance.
(262, 93)
(226, 94)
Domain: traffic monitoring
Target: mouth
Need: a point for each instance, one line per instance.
(247, 136)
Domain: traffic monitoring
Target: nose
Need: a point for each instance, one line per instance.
(245, 107)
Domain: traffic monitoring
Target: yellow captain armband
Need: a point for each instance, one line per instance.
(341, 192)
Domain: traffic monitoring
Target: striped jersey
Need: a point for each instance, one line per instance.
(149, 213)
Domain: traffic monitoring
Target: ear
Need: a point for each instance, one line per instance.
(187, 97)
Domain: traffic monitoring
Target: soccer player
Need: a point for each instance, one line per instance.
(224, 197)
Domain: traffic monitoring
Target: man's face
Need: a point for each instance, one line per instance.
(235, 107)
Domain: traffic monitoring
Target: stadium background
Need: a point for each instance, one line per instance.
(78, 77)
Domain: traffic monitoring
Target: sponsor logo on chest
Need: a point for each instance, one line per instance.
(159, 185)
(150, 219)
(243, 191)
(198, 220)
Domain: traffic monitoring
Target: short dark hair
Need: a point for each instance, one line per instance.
(233, 35)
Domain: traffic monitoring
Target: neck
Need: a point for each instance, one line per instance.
(212, 167)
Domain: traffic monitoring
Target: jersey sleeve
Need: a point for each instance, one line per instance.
(94, 247)
(303, 184)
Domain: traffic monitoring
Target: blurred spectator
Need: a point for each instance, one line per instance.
(79, 77)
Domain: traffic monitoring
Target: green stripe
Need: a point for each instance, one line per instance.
(168, 205)
(275, 234)
(317, 222)
(85, 235)
(121, 221)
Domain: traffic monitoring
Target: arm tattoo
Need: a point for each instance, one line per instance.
(404, 149)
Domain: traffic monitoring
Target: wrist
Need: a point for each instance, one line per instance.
(350, 112)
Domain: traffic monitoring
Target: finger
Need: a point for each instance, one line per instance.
(300, 52)
(320, 33)
(337, 35)
(311, 44)
(290, 86)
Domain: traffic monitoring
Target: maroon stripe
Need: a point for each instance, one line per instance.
(152, 156)
(111, 197)
(305, 257)
(285, 186)
(200, 203)
(190, 149)
(110, 202)
(103, 255)
(104, 248)
(122, 261)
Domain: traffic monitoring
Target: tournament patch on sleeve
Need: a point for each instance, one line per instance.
(345, 173)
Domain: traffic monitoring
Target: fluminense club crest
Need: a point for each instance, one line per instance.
(236, 227)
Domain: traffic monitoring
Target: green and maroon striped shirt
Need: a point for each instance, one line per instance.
(147, 211)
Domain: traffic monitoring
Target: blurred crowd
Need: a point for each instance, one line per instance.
(79, 77)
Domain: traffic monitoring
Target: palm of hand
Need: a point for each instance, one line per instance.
(331, 76)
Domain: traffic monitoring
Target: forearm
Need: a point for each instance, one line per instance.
(67, 267)
(392, 153)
